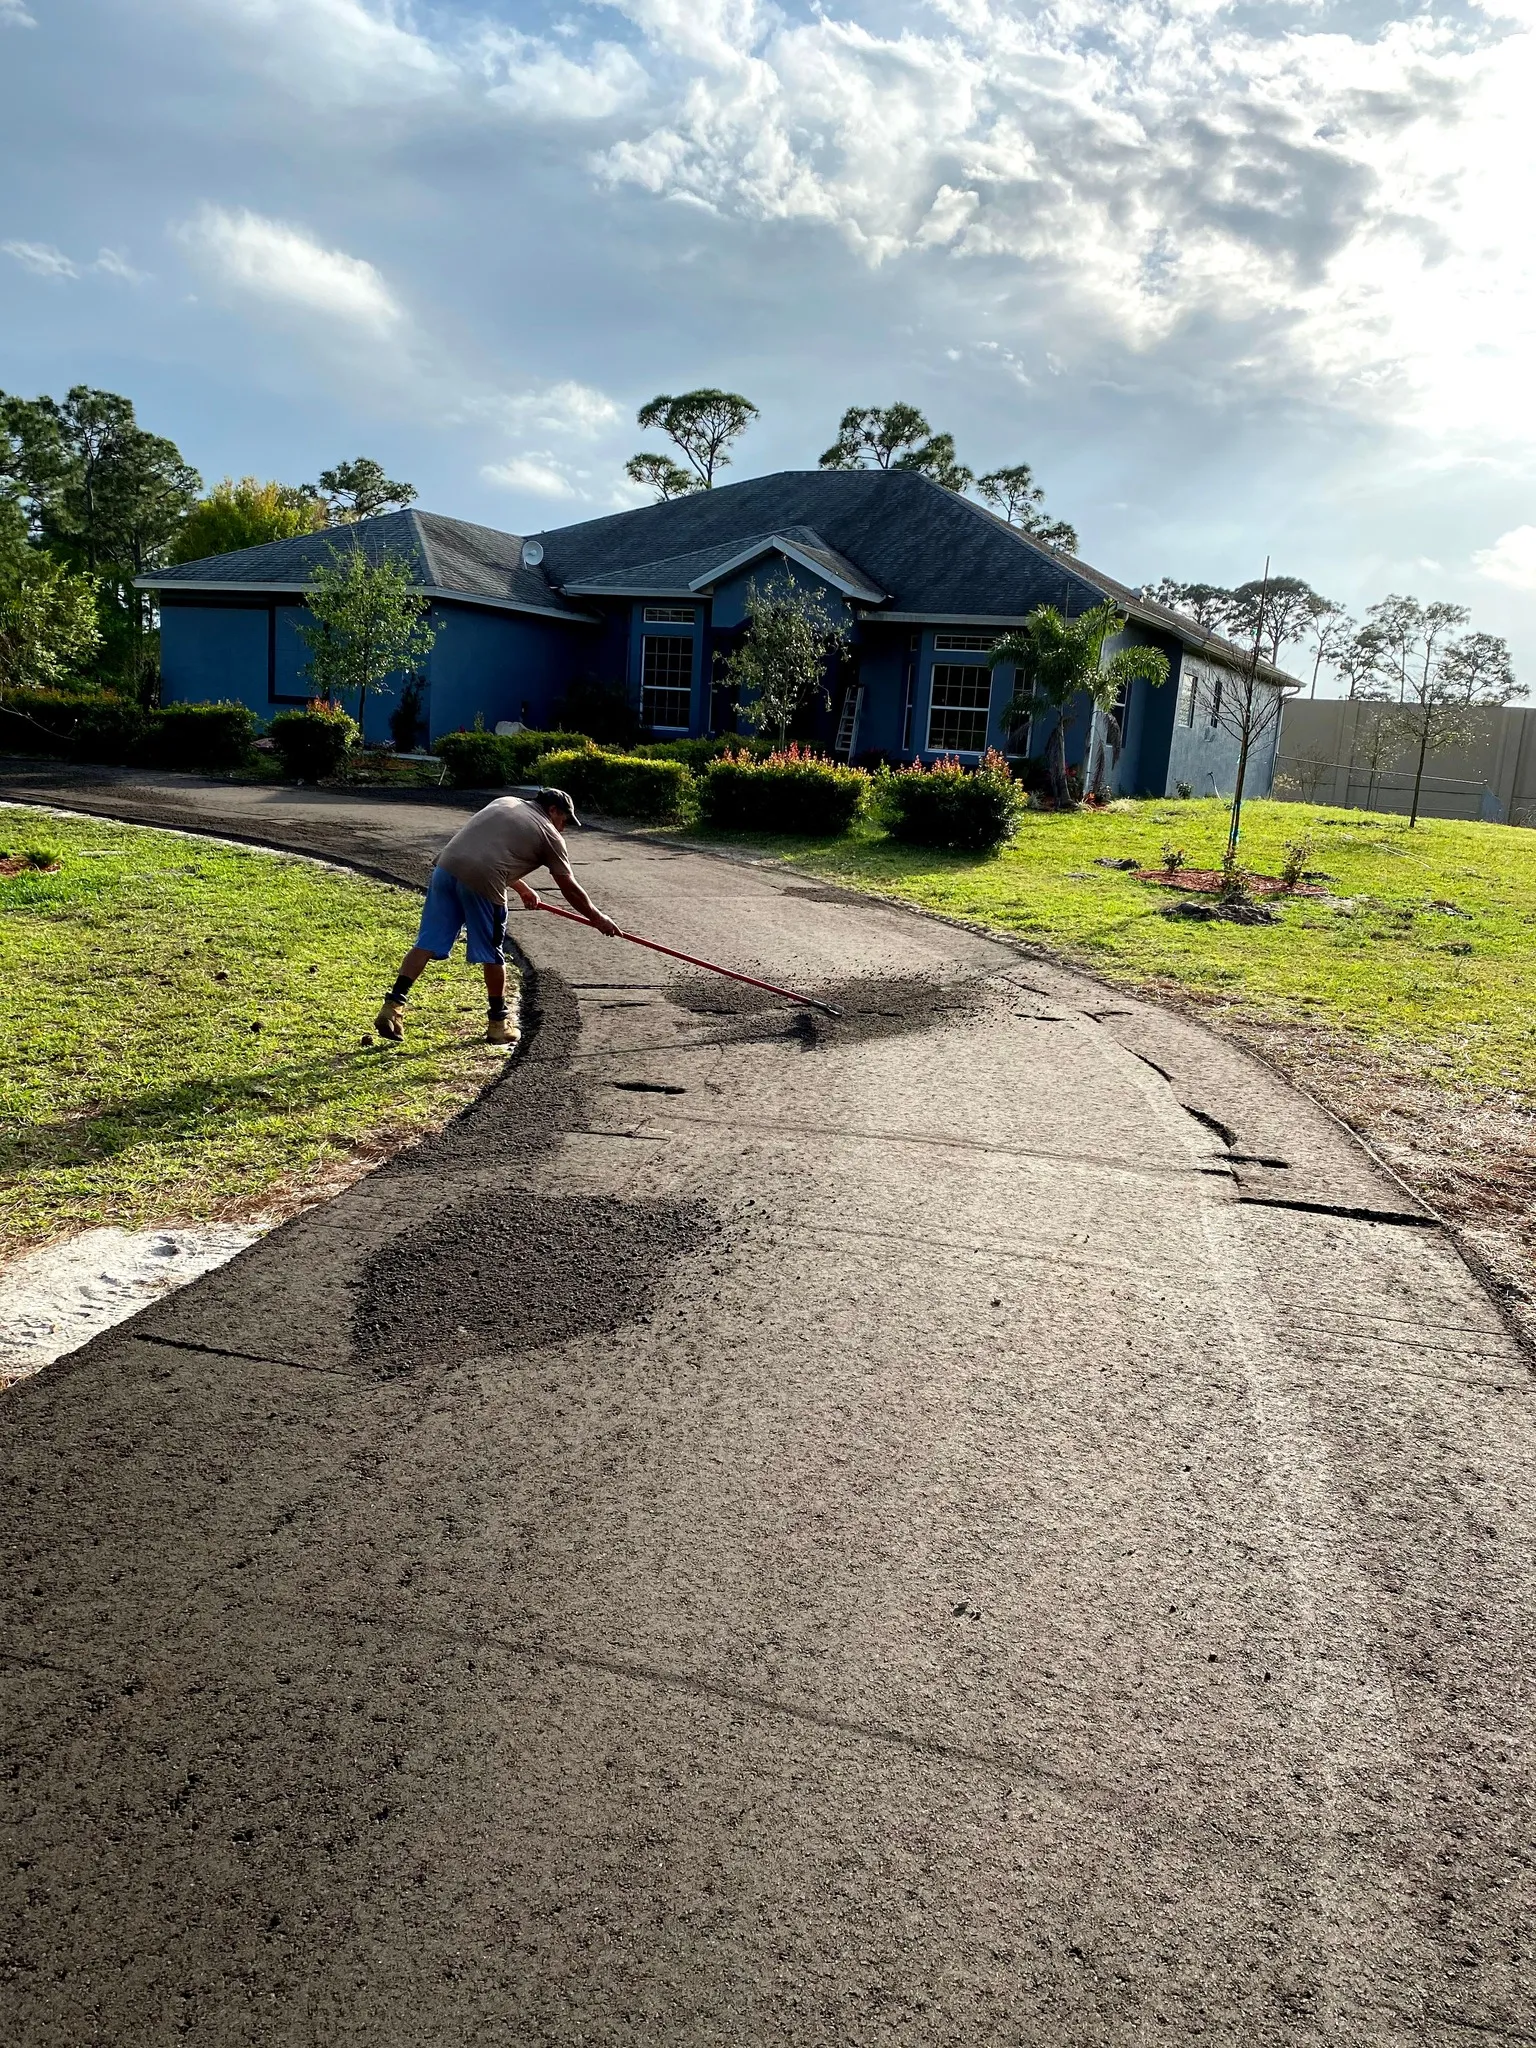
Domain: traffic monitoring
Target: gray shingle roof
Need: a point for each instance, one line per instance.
(890, 534)
(936, 555)
(676, 574)
(448, 555)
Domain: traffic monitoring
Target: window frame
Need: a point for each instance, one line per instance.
(669, 615)
(935, 709)
(670, 689)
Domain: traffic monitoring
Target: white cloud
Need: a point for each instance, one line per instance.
(270, 260)
(1511, 559)
(113, 263)
(539, 474)
(41, 258)
(14, 15)
(564, 408)
(339, 52)
(45, 261)
(534, 79)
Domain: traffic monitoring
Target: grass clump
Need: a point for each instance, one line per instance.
(184, 1030)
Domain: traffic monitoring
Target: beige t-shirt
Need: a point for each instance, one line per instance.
(501, 844)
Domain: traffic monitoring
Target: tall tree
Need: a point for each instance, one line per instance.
(1449, 703)
(876, 437)
(246, 515)
(1411, 636)
(1058, 659)
(1277, 611)
(360, 489)
(48, 625)
(366, 624)
(1014, 494)
(1328, 628)
(104, 496)
(781, 664)
(668, 479)
(936, 460)
(1206, 603)
(701, 425)
(1358, 658)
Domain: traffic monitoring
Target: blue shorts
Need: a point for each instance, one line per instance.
(451, 908)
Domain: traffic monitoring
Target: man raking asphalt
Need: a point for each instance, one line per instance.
(509, 839)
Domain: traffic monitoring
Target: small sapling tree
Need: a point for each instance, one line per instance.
(1248, 706)
(366, 623)
(781, 665)
(1449, 705)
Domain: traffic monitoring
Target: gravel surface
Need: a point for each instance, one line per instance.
(1008, 1528)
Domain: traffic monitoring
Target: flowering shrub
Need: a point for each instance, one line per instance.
(793, 790)
(972, 810)
(313, 742)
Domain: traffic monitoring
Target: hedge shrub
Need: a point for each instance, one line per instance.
(620, 785)
(490, 760)
(794, 791)
(313, 743)
(199, 736)
(699, 753)
(970, 810)
(72, 727)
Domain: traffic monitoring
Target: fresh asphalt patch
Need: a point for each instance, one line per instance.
(871, 1007)
(580, 1265)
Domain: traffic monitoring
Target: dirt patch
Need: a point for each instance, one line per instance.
(1206, 881)
(1224, 913)
(19, 864)
(584, 1263)
(872, 1008)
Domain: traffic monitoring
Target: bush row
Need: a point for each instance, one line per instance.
(491, 760)
(121, 733)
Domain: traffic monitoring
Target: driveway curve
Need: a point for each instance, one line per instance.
(983, 1520)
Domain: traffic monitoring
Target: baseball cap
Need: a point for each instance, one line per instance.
(546, 797)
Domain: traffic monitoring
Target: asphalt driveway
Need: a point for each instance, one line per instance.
(983, 1521)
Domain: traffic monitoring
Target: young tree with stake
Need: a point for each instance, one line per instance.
(1448, 705)
(781, 665)
(368, 623)
(1246, 706)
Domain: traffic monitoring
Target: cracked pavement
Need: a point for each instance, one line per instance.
(990, 1521)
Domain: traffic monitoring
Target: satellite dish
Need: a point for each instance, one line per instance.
(533, 553)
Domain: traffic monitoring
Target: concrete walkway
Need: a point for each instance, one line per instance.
(953, 1526)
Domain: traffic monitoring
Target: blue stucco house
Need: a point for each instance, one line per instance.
(644, 602)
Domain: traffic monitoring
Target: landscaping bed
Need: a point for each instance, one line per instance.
(187, 1030)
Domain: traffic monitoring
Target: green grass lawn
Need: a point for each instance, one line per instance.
(1428, 957)
(134, 1088)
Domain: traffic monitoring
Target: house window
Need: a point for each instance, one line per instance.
(1189, 689)
(958, 708)
(666, 681)
(964, 643)
(669, 615)
(1216, 697)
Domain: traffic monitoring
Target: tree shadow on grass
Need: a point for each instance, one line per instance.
(193, 1109)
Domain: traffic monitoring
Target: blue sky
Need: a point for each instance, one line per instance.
(1236, 279)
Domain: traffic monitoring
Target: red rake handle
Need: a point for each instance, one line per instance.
(655, 946)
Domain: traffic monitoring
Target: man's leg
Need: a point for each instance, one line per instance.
(440, 923)
(485, 931)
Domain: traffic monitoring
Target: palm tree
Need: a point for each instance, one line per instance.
(1059, 659)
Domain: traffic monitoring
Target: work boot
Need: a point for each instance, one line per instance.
(501, 1031)
(390, 1022)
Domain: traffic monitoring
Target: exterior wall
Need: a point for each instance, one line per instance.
(1205, 754)
(499, 665)
(211, 654)
(1326, 747)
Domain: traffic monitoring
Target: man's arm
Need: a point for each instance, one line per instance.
(578, 899)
